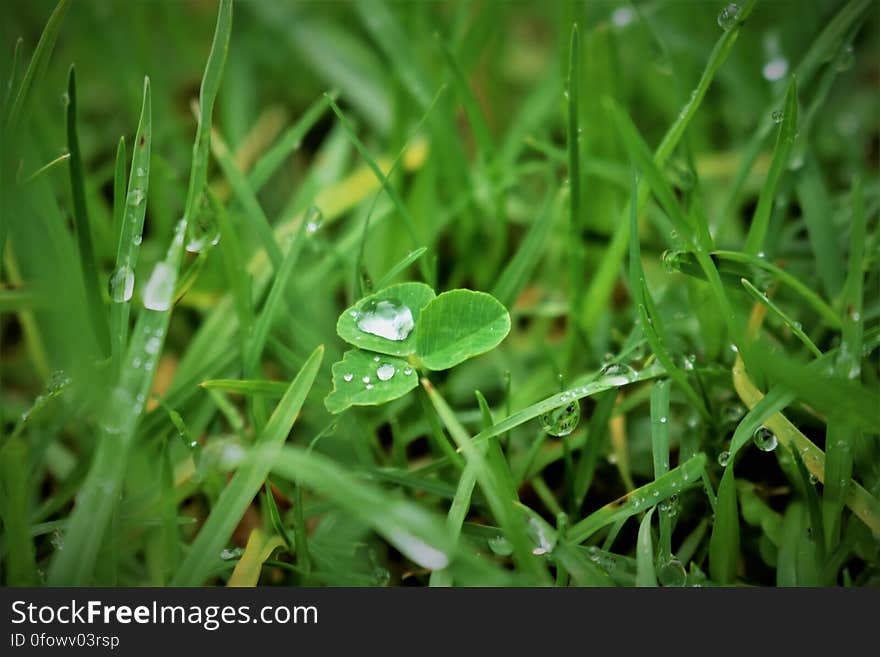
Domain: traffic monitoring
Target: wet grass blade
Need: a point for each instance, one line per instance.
(596, 296)
(651, 322)
(82, 225)
(761, 219)
(198, 175)
(491, 481)
(645, 574)
(724, 541)
(859, 500)
(400, 267)
(660, 452)
(672, 483)
(246, 387)
(248, 479)
(120, 182)
(129, 208)
(119, 418)
(793, 326)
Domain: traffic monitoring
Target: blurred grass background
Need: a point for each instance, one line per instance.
(475, 183)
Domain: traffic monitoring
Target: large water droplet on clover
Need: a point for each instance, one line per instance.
(160, 288)
(562, 420)
(764, 439)
(121, 284)
(387, 318)
(385, 371)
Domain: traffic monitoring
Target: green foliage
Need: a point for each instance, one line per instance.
(671, 377)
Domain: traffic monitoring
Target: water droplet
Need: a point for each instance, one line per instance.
(159, 290)
(622, 16)
(536, 533)
(314, 220)
(775, 69)
(846, 59)
(764, 439)
(562, 420)
(203, 232)
(728, 16)
(57, 538)
(369, 386)
(121, 284)
(663, 420)
(135, 362)
(58, 380)
(135, 197)
(500, 546)
(671, 260)
(407, 371)
(387, 318)
(228, 555)
(617, 369)
(813, 478)
(777, 116)
(724, 458)
(152, 346)
(656, 493)
(65, 99)
(732, 413)
(348, 377)
(672, 573)
(375, 359)
(366, 379)
(386, 371)
(140, 172)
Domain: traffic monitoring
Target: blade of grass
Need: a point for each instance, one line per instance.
(287, 143)
(645, 574)
(672, 483)
(37, 67)
(400, 267)
(842, 437)
(246, 387)
(660, 452)
(409, 224)
(99, 496)
(724, 541)
(258, 550)
(761, 218)
(245, 194)
(793, 326)
(418, 533)
(129, 209)
(596, 296)
(491, 482)
(82, 225)
(20, 567)
(250, 476)
(652, 324)
(46, 168)
(574, 252)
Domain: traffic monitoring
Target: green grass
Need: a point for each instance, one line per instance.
(686, 245)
